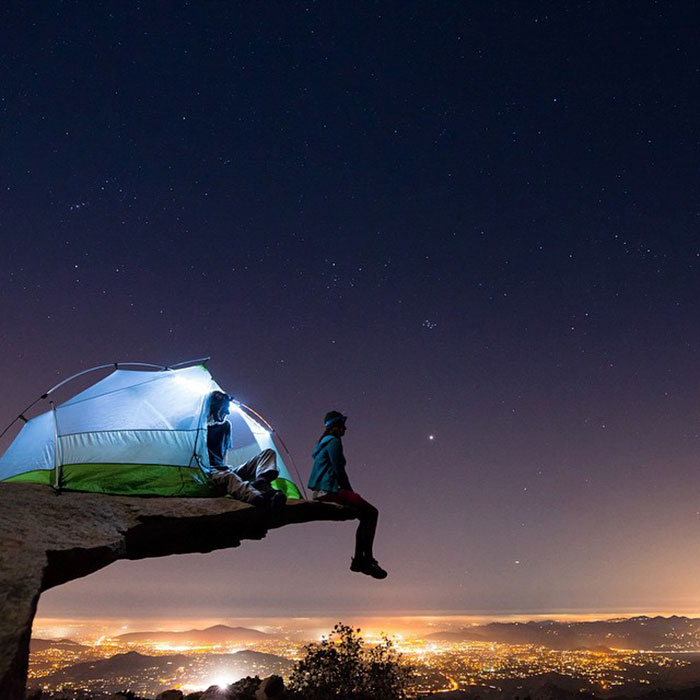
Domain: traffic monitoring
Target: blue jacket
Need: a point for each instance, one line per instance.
(328, 472)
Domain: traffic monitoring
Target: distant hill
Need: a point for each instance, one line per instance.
(37, 644)
(542, 686)
(546, 686)
(668, 694)
(650, 633)
(218, 634)
(552, 691)
(121, 665)
(145, 674)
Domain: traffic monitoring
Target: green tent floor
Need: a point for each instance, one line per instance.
(137, 480)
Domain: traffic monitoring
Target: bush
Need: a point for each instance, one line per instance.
(341, 667)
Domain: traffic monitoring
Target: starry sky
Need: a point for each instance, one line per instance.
(477, 221)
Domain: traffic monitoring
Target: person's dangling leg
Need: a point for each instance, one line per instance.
(366, 530)
(368, 515)
(360, 552)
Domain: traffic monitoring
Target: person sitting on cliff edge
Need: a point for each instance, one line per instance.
(250, 482)
(329, 482)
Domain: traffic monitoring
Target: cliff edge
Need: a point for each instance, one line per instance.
(48, 539)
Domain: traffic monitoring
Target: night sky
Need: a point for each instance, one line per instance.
(474, 221)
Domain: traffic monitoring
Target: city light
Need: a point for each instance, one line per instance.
(440, 665)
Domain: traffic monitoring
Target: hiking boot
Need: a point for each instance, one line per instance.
(250, 495)
(374, 570)
(368, 566)
(265, 495)
(256, 499)
(275, 499)
(263, 485)
(357, 564)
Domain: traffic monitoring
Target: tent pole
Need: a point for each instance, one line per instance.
(198, 361)
(56, 456)
(21, 416)
(294, 464)
(116, 365)
(195, 455)
(279, 437)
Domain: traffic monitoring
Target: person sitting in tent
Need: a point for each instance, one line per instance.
(329, 482)
(250, 482)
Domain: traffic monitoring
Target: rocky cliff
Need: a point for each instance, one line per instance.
(48, 539)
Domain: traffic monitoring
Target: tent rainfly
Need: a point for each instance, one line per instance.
(136, 432)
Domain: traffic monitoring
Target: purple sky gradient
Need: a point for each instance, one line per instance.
(476, 222)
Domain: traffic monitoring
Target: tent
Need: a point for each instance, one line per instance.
(139, 432)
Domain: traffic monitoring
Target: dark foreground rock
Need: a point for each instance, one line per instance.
(250, 688)
(170, 695)
(49, 539)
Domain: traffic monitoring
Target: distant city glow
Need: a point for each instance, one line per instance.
(441, 665)
(173, 647)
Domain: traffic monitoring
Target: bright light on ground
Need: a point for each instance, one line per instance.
(221, 680)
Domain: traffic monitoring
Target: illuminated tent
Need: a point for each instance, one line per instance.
(139, 431)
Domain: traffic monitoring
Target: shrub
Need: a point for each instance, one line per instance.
(341, 667)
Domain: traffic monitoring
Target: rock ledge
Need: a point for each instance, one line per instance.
(49, 539)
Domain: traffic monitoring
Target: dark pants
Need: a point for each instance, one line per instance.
(367, 514)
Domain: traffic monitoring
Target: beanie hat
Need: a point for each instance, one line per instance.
(333, 417)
